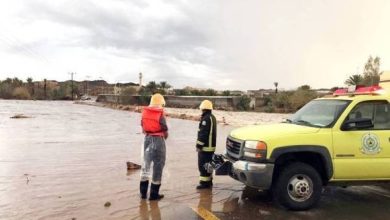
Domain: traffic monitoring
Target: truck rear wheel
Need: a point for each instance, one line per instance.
(298, 187)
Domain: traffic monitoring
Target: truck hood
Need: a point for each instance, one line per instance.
(262, 132)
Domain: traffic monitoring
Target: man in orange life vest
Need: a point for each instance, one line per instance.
(205, 144)
(155, 128)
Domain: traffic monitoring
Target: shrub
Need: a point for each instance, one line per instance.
(226, 93)
(282, 100)
(182, 92)
(210, 92)
(269, 108)
(144, 100)
(21, 93)
(301, 97)
(129, 91)
(5, 90)
(243, 103)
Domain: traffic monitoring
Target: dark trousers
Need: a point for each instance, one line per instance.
(203, 158)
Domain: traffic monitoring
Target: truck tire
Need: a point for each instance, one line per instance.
(297, 187)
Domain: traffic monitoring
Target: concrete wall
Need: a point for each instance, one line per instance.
(220, 102)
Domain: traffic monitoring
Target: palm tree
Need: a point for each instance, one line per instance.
(16, 82)
(354, 80)
(164, 85)
(30, 85)
(276, 86)
(152, 87)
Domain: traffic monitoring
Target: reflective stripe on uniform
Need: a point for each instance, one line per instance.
(205, 178)
(208, 149)
(200, 142)
(211, 132)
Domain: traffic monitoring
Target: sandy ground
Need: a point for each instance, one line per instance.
(233, 118)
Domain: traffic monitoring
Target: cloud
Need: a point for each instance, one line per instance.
(169, 36)
(220, 44)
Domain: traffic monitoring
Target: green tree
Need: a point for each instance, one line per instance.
(197, 92)
(6, 89)
(8, 80)
(164, 85)
(243, 103)
(181, 92)
(17, 82)
(129, 91)
(355, 79)
(30, 86)
(211, 92)
(301, 97)
(371, 73)
(282, 100)
(226, 93)
(151, 87)
(8, 86)
(304, 87)
(63, 92)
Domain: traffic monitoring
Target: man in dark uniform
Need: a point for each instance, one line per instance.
(205, 145)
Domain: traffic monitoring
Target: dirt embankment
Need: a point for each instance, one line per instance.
(223, 117)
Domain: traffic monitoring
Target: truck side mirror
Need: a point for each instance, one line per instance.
(357, 124)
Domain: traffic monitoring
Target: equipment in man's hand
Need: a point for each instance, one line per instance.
(219, 164)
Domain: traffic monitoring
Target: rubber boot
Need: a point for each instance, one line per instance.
(204, 185)
(154, 192)
(143, 188)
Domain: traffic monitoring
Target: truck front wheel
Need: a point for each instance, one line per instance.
(298, 187)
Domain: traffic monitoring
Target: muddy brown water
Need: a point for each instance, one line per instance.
(68, 160)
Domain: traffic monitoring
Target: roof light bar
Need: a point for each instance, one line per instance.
(359, 90)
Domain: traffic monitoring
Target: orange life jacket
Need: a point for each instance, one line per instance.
(151, 121)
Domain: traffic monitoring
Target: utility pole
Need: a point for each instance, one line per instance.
(87, 84)
(44, 90)
(101, 85)
(71, 76)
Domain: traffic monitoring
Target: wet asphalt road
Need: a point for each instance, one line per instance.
(68, 160)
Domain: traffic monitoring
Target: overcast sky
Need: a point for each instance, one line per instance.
(223, 44)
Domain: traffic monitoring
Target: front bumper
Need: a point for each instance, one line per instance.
(256, 175)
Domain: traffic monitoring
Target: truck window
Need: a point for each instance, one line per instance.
(377, 111)
(319, 113)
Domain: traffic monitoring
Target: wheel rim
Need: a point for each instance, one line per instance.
(300, 188)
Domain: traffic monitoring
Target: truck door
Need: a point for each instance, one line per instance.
(364, 153)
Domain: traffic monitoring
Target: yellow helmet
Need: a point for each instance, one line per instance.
(206, 105)
(157, 99)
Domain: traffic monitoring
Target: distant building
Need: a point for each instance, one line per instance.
(119, 87)
(236, 93)
(323, 91)
(260, 93)
(189, 88)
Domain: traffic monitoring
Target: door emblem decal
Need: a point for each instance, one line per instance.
(370, 144)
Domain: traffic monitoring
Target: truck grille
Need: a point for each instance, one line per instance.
(233, 148)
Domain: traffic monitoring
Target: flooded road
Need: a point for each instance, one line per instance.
(68, 160)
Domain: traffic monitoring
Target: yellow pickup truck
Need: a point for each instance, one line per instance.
(344, 138)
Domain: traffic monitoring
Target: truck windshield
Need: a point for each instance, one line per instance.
(319, 113)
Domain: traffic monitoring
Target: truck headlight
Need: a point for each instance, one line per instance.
(255, 149)
(257, 145)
